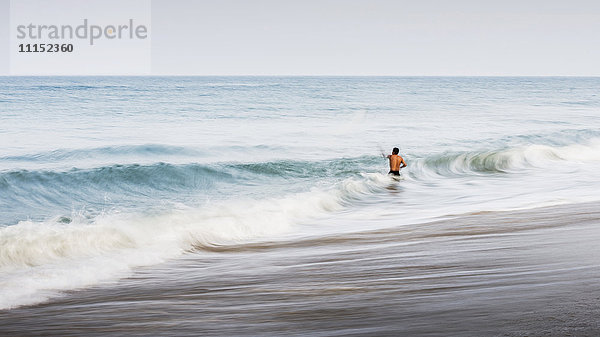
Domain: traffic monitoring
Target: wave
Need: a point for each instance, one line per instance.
(509, 160)
(342, 167)
(91, 186)
(132, 183)
(40, 259)
(106, 152)
(156, 176)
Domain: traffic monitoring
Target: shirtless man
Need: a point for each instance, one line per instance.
(395, 161)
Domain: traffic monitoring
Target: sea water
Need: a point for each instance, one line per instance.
(102, 178)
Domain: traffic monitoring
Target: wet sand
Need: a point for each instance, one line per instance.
(519, 273)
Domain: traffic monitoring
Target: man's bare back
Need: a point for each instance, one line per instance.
(396, 162)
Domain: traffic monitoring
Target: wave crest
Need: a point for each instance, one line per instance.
(506, 160)
(68, 254)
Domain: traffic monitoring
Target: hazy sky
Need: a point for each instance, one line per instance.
(4, 37)
(375, 37)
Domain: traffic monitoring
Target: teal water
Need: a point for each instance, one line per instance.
(99, 143)
(102, 176)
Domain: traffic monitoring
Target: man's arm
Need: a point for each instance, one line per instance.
(403, 162)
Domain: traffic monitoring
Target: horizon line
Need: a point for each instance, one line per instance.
(295, 75)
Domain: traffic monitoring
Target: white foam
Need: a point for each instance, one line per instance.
(509, 160)
(580, 152)
(40, 259)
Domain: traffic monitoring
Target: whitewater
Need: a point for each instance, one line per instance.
(104, 179)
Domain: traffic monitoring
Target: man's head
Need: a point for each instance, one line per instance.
(395, 150)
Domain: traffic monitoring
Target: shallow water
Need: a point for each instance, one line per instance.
(261, 205)
(515, 273)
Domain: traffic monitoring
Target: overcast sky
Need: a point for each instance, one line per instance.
(375, 37)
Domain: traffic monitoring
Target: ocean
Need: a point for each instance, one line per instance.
(262, 206)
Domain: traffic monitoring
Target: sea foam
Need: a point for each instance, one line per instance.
(513, 159)
(40, 259)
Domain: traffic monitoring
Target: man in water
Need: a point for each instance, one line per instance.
(395, 161)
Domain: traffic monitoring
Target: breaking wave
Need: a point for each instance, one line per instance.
(509, 160)
(40, 259)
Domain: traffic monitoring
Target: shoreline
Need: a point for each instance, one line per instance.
(517, 273)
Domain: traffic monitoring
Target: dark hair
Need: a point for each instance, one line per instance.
(395, 150)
